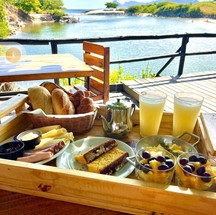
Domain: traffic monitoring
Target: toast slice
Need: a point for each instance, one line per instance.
(95, 152)
(109, 162)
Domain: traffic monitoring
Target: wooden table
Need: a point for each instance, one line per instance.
(40, 67)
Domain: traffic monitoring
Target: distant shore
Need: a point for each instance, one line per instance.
(105, 12)
(120, 12)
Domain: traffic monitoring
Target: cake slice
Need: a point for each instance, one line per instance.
(109, 162)
(95, 152)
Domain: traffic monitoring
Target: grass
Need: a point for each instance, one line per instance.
(147, 73)
(116, 76)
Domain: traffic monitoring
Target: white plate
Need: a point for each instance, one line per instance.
(55, 155)
(67, 161)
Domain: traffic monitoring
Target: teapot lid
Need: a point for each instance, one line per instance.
(118, 105)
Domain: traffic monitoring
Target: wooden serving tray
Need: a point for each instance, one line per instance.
(127, 195)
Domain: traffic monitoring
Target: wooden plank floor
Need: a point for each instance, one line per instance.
(203, 84)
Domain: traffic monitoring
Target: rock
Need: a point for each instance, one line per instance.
(68, 19)
(9, 86)
(42, 18)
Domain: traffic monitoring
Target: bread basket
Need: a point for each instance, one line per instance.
(76, 123)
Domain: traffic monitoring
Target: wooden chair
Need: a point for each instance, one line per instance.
(98, 57)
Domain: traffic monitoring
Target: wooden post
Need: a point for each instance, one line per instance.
(167, 63)
(185, 40)
(54, 49)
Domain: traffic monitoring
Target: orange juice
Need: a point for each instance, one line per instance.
(186, 111)
(151, 110)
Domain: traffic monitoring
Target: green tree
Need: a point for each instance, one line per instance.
(134, 10)
(195, 12)
(4, 27)
(111, 5)
(47, 5)
(28, 6)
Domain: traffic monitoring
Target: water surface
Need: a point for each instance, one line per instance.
(107, 26)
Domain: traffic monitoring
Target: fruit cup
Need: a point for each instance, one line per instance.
(153, 165)
(194, 170)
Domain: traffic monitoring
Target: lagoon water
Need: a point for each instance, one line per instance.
(106, 26)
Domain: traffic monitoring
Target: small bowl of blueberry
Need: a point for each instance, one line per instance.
(194, 170)
(154, 165)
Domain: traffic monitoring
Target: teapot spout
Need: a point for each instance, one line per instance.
(106, 125)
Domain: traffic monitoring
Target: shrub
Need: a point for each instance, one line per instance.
(118, 75)
(147, 73)
(57, 14)
(195, 12)
(134, 10)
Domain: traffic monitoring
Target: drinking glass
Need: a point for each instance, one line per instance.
(186, 110)
(151, 110)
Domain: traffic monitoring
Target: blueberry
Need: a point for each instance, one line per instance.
(193, 158)
(146, 154)
(192, 166)
(200, 170)
(161, 158)
(146, 168)
(206, 177)
(187, 168)
(202, 160)
(183, 161)
(150, 159)
(163, 166)
(167, 157)
(169, 163)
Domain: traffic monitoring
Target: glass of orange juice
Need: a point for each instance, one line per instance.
(151, 111)
(186, 110)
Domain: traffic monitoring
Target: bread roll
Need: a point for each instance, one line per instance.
(40, 97)
(86, 105)
(61, 102)
(77, 97)
(50, 86)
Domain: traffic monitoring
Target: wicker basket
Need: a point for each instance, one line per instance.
(76, 123)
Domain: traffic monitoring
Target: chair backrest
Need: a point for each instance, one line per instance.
(98, 57)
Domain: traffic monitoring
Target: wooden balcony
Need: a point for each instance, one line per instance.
(203, 84)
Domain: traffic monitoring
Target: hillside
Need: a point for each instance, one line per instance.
(207, 8)
(16, 18)
(133, 3)
(172, 9)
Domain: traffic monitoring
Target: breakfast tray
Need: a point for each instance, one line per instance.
(127, 195)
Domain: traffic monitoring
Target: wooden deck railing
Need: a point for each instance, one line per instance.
(181, 52)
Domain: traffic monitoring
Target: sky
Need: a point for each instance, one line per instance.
(85, 4)
(91, 4)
